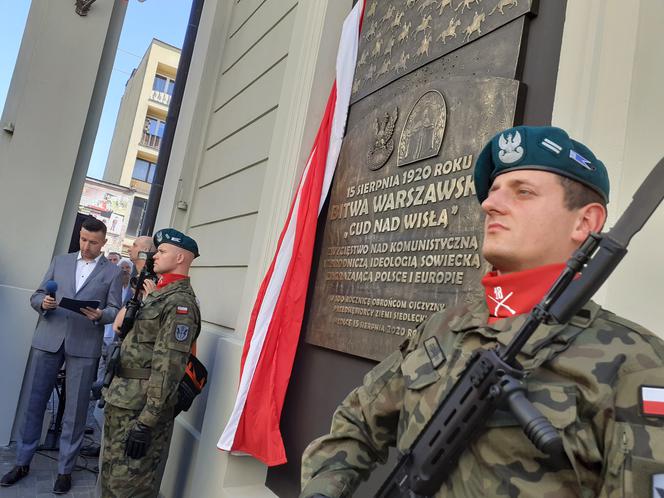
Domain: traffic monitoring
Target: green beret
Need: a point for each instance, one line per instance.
(176, 238)
(544, 148)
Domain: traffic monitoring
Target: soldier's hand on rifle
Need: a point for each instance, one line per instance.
(92, 313)
(138, 441)
(148, 286)
(118, 319)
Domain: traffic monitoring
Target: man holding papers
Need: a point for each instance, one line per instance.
(72, 338)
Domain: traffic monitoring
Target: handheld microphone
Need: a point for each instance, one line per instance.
(51, 287)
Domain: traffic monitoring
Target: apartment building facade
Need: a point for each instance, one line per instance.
(139, 128)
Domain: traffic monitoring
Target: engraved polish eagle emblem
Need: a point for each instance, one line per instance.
(382, 148)
(510, 148)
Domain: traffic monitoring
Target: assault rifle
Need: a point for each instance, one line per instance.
(493, 378)
(147, 273)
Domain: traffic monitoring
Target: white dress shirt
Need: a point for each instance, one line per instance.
(84, 269)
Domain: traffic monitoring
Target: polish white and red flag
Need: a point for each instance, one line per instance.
(652, 399)
(276, 319)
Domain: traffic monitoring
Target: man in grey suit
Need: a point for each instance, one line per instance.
(71, 338)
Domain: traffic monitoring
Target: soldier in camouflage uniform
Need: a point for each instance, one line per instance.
(599, 379)
(141, 399)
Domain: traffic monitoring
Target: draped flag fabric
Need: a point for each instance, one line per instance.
(276, 319)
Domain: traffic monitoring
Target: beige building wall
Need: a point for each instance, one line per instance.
(259, 79)
(258, 84)
(609, 95)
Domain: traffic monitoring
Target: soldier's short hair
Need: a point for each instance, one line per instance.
(577, 195)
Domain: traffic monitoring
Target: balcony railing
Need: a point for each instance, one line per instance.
(152, 141)
(161, 97)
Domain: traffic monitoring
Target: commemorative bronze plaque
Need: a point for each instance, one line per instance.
(403, 231)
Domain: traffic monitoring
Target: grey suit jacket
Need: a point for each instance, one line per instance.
(81, 336)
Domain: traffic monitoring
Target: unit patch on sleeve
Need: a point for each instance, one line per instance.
(652, 401)
(434, 351)
(181, 332)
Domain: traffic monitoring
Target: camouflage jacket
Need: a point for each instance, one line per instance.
(165, 328)
(584, 376)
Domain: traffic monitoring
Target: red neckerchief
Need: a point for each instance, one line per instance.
(517, 293)
(168, 278)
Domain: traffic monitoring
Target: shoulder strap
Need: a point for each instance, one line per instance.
(553, 347)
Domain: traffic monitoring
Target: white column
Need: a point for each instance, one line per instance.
(53, 107)
(608, 96)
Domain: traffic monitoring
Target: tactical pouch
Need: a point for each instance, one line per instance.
(191, 385)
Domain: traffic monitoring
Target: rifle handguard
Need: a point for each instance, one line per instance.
(487, 382)
(129, 318)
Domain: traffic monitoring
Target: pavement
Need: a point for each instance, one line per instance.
(44, 470)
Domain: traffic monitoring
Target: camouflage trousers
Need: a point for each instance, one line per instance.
(124, 477)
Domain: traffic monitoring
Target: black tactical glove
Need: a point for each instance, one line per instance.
(138, 441)
(186, 397)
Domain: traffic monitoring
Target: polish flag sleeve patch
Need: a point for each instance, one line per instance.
(652, 401)
(182, 310)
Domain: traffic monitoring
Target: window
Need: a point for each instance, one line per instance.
(153, 131)
(144, 170)
(154, 126)
(137, 216)
(163, 84)
(159, 84)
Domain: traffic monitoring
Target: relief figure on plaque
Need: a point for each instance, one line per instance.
(422, 135)
(381, 150)
(478, 19)
(384, 68)
(502, 4)
(405, 31)
(397, 19)
(424, 46)
(443, 4)
(377, 47)
(388, 15)
(465, 4)
(594, 382)
(371, 32)
(388, 48)
(423, 26)
(425, 5)
(372, 9)
(450, 31)
(403, 60)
